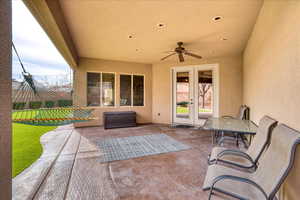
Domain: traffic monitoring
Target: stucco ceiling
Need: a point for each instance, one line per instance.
(101, 28)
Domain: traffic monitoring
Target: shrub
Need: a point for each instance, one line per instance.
(35, 104)
(64, 103)
(49, 104)
(19, 105)
(183, 103)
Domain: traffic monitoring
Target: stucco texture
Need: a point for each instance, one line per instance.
(144, 113)
(271, 73)
(230, 91)
(5, 99)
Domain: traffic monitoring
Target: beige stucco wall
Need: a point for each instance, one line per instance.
(272, 72)
(158, 86)
(230, 86)
(144, 113)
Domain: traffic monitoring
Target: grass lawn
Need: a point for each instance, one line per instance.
(183, 110)
(26, 145)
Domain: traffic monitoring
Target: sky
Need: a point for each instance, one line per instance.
(39, 56)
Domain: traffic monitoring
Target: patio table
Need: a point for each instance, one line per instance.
(241, 127)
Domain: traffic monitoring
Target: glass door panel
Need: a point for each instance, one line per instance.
(194, 94)
(205, 94)
(182, 95)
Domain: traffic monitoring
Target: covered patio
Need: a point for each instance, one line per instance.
(74, 171)
(234, 52)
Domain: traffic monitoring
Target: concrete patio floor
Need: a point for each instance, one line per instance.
(69, 168)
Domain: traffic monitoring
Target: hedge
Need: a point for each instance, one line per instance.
(64, 103)
(49, 104)
(35, 104)
(19, 105)
(183, 103)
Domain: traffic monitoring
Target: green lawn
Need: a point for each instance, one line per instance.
(26, 145)
(183, 110)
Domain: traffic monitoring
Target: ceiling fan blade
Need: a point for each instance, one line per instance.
(191, 54)
(169, 52)
(168, 56)
(181, 59)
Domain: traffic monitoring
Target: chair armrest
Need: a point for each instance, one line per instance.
(228, 116)
(224, 138)
(235, 152)
(238, 153)
(238, 179)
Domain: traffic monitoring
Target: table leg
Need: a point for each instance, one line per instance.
(213, 138)
(250, 140)
(222, 138)
(243, 141)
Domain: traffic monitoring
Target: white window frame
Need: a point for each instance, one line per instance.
(101, 92)
(133, 74)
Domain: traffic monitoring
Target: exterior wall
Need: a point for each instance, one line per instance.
(230, 86)
(272, 73)
(5, 99)
(144, 113)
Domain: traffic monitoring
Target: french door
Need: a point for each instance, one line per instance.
(195, 94)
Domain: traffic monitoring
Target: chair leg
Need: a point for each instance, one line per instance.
(210, 193)
(237, 139)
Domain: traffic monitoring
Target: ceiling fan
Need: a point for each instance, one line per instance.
(180, 51)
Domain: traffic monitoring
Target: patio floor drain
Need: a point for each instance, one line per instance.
(137, 146)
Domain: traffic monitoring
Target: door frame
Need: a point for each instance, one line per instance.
(216, 90)
(191, 92)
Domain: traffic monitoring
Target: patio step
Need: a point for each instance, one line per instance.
(69, 168)
(90, 179)
(55, 184)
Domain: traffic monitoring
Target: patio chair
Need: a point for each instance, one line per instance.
(243, 114)
(274, 167)
(249, 158)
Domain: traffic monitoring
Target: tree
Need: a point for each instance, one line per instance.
(203, 89)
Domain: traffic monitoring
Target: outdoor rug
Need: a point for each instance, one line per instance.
(137, 146)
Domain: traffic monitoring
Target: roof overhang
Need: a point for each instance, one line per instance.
(111, 30)
(49, 15)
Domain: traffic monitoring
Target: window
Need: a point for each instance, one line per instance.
(131, 90)
(93, 89)
(125, 90)
(100, 89)
(108, 89)
(138, 90)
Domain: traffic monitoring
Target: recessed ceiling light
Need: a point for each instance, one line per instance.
(160, 25)
(217, 18)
